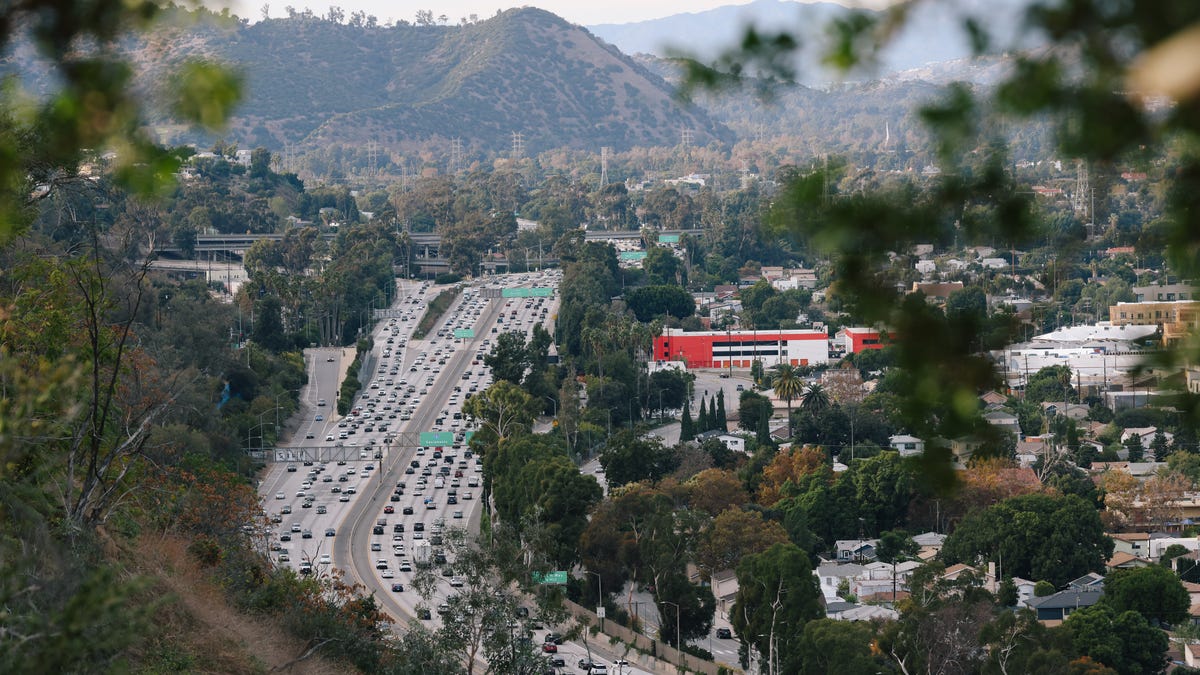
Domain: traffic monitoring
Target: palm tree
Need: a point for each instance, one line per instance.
(788, 386)
(815, 399)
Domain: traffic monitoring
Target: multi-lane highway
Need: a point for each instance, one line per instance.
(367, 514)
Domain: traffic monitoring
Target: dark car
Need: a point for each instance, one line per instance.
(329, 532)
(556, 638)
(397, 588)
(408, 510)
(418, 527)
(424, 614)
(724, 633)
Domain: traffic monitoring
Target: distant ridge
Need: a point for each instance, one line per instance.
(933, 34)
(313, 81)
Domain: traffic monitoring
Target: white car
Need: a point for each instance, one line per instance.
(280, 495)
(325, 559)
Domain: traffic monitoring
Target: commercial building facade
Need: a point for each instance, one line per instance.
(739, 349)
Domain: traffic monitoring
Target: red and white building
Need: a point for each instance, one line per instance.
(854, 340)
(716, 349)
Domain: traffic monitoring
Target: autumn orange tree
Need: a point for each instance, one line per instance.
(788, 467)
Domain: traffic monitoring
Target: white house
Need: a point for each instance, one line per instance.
(907, 446)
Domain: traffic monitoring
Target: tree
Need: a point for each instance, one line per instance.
(502, 410)
(1160, 446)
(815, 399)
(733, 535)
(628, 458)
(649, 302)
(787, 468)
(1038, 536)
(895, 546)
(715, 490)
(1154, 591)
(722, 424)
(788, 386)
(687, 429)
(831, 646)
(753, 408)
(1133, 445)
(777, 596)
(703, 423)
(1123, 641)
(509, 357)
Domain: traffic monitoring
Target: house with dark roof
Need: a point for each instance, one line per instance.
(1054, 609)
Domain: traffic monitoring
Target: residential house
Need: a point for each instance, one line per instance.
(1024, 590)
(1133, 543)
(734, 443)
(1191, 655)
(907, 446)
(1146, 434)
(930, 544)
(1003, 419)
(878, 581)
(993, 398)
(1089, 580)
(1052, 610)
(1125, 561)
(1075, 411)
(856, 550)
(848, 611)
(830, 576)
(937, 292)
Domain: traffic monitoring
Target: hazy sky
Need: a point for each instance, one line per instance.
(576, 11)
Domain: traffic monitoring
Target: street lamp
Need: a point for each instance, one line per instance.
(678, 643)
(600, 594)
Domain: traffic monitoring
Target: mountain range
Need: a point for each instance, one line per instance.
(931, 34)
(523, 81)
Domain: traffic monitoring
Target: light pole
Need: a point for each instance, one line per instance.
(678, 644)
(600, 594)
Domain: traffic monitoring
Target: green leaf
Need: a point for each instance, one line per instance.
(207, 93)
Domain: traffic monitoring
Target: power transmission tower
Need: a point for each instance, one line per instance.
(1081, 200)
(604, 165)
(518, 144)
(372, 159)
(456, 155)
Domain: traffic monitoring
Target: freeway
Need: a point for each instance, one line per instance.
(419, 385)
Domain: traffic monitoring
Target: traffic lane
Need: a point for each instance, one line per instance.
(355, 549)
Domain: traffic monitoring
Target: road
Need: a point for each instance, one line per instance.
(425, 380)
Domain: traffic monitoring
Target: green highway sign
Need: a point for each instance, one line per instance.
(541, 292)
(559, 578)
(668, 239)
(632, 255)
(467, 437)
(434, 439)
(464, 333)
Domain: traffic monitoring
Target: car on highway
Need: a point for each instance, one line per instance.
(724, 634)
(280, 495)
(397, 588)
(550, 648)
(329, 532)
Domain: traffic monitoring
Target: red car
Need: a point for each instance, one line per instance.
(550, 648)
(389, 509)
